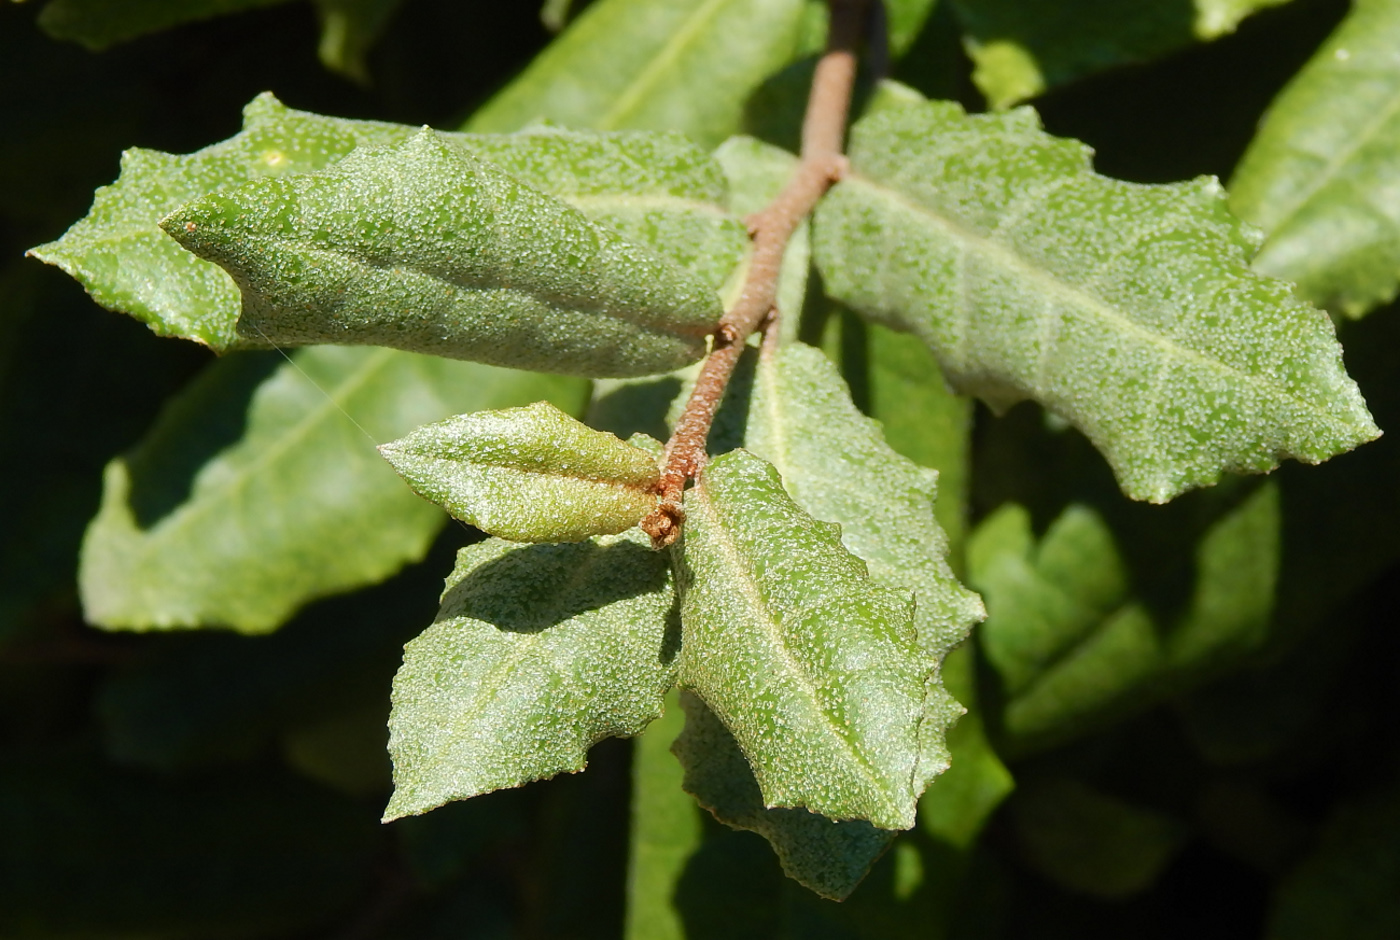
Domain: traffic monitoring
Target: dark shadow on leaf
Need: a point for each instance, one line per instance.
(636, 407)
(207, 417)
(535, 587)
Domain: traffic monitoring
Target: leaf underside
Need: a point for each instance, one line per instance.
(1320, 176)
(1127, 309)
(538, 652)
(812, 665)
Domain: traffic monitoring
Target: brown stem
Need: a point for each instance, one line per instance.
(823, 132)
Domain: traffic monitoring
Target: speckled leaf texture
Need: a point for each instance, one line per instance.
(656, 190)
(424, 247)
(813, 666)
(1321, 177)
(686, 65)
(528, 474)
(835, 464)
(259, 489)
(538, 653)
(1127, 309)
(1020, 48)
(830, 858)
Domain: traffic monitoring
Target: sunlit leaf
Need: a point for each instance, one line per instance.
(1128, 310)
(538, 653)
(813, 665)
(1320, 177)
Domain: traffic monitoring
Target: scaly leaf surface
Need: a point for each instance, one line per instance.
(656, 190)
(538, 653)
(830, 858)
(258, 490)
(814, 666)
(1020, 49)
(835, 464)
(1129, 310)
(424, 247)
(1320, 178)
(529, 474)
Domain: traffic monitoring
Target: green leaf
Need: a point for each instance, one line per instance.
(1319, 177)
(666, 830)
(813, 665)
(424, 247)
(830, 858)
(538, 653)
(1020, 49)
(348, 29)
(1072, 645)
(685, 65)
(260, 488)
(836, 465)
(530, 474)
(1127, 310)
(655, 190)
(1091, 842)
(98, 24)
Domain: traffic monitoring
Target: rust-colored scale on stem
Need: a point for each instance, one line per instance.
(823, 133)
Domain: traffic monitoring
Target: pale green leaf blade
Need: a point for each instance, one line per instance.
(424, 247)
(656, 190)
(1020, 49)
(684, 65)
(666, 831)
(259, 490)
(814, 666)
(98, 24)
(1128, 310)
(830, 858)
(529, 474)
(538, 653)
(348, 29)
(1320, 177)
(835, 464)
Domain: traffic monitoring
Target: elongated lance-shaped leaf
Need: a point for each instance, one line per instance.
(1128, 310)
(656, 190)
(686, 65)
(530, 474)
(1020, 49)
(836, 465)
(830, 858)
(259, 490)
(98, 24)
(814, 666)
(422, 246)
(1320, 178)
(538, 653)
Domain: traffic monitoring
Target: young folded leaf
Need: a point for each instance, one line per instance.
(835, 464)
(1129, 310)
(830, 858)
(538, 653)
(813, 666)
(423, 246)
(530, 474)
(1320, 176)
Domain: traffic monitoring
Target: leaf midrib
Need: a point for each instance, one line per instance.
(653, 71)
(745, 585)
(1083, 300)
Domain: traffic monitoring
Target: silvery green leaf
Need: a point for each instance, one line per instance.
(529, 474)
(538, 653)
(424, 247)
(814, 666)
(1128, 310)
